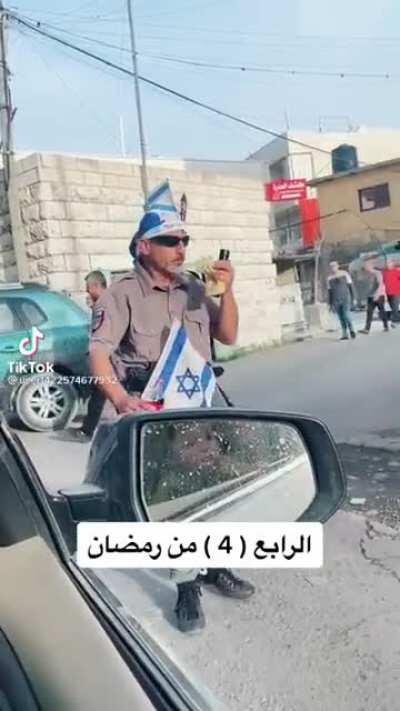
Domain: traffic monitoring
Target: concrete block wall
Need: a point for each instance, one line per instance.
(80, 214)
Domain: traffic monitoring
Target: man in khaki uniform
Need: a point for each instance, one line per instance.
(131, 323)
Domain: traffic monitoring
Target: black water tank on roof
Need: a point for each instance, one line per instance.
(344, 158)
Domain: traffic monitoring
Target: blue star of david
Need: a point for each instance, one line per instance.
(188, 383)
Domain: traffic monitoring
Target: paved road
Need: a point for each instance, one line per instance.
(350, 385)
(315, 641)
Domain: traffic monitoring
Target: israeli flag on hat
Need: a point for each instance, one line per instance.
(182, 378)
(161, 216)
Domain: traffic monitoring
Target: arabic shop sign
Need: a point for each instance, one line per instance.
(280, 190)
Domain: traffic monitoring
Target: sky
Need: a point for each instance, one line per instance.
(68, 103)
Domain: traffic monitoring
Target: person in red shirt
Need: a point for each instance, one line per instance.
(391, 278)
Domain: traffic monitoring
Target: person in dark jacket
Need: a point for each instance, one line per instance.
(341, 296)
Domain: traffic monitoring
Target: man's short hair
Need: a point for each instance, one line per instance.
(96, 277)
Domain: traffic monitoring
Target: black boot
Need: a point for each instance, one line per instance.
(188, 610)
(228, 584)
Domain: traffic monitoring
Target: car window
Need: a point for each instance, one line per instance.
(31, 314)
(9, 320)
(65, 311)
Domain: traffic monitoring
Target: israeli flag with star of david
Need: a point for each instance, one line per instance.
(182, 378)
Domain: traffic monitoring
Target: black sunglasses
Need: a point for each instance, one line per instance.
(171, 240)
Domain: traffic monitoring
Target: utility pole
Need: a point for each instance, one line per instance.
(143, 167)
(318, 251)
(9, 171)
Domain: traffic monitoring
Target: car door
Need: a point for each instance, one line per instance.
(12, 332)
(66, 331)
(72, 645)
(48, 632)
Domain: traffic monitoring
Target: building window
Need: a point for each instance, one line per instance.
(374, 198)
(279, 170)
(287, 232)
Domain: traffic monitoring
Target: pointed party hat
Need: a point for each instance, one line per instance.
(161, 215)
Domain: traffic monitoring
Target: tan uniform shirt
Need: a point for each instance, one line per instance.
(132, 320)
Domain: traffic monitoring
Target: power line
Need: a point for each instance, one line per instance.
(229, 67)
(279, 37)
(309, 220)
(276, 36)
(238, 41)
(57, 28)
(272, 70)
(161, 87)
(197, 5)
(64, 15)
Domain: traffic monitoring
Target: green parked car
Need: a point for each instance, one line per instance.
(43, 356)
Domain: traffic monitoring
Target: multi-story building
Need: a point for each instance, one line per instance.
(306, 154)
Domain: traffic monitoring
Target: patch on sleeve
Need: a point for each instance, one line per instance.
(97, 319)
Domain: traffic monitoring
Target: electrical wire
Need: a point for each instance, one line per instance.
(192, 7)
(100, 17)
(166, 89)
(279, 37)
(272, 70)
(227, 67)
(282, 38)
(311, 219)
(77, 35)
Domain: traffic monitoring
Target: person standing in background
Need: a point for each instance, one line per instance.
(341, 295)
(96, 285)
(391, 279)
(376, 297)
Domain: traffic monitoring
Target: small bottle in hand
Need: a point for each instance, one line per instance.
(213, 286)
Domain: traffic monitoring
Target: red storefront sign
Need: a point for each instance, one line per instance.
(310, 221)
(280, 190)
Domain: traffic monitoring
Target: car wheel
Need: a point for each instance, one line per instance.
(44, 403)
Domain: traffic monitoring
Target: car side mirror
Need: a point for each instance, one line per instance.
(200, 465)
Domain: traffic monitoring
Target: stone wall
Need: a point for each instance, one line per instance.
(80, 213)
(8, 272)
